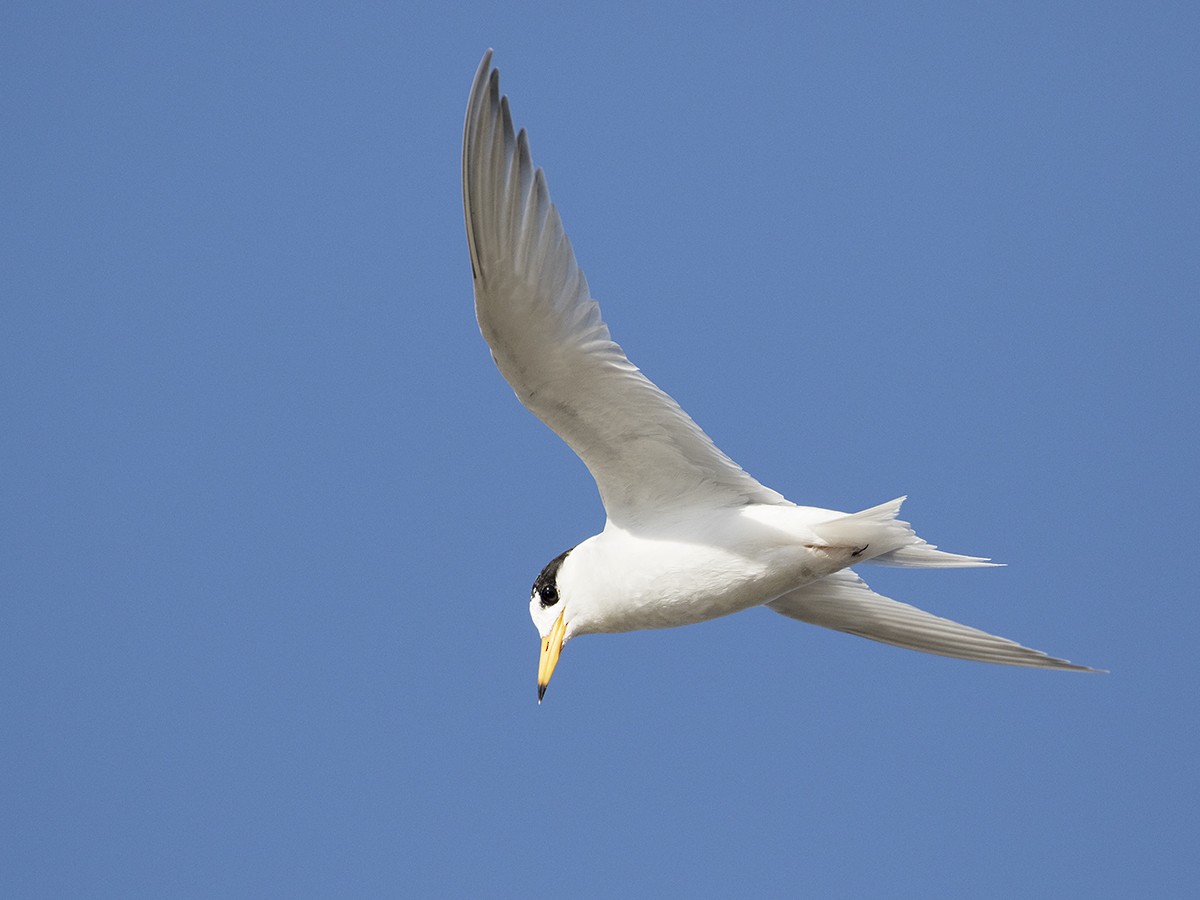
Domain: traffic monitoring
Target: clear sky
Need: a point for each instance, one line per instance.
(269, 516)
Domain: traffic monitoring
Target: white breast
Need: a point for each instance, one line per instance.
(690, 571)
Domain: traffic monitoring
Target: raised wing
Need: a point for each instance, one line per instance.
(843, 602)
(549, 342)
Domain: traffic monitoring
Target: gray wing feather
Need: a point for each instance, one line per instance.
(547, 337)
(843, 602)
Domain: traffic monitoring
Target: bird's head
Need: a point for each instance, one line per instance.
(550, 609)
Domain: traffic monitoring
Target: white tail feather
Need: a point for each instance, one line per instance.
(927, 556)
(890, 541)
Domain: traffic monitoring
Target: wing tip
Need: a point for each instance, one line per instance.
(485, 63)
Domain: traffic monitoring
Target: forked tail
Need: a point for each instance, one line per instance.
(887, 540)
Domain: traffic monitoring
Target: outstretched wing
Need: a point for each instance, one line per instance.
(843, 602)
(534, 309)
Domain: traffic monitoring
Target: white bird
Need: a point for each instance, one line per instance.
(689, 535)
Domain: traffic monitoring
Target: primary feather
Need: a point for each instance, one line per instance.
(842, 601)
(546, 335)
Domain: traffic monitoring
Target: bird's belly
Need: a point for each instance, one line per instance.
(696, 585)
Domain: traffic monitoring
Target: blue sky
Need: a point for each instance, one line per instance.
(269, 515)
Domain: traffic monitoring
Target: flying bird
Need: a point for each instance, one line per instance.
(689, 535)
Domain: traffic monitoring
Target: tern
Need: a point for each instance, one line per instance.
(689, 535)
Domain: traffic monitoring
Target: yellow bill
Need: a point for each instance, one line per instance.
(551, 649)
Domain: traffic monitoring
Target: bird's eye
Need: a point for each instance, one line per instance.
(549, 595)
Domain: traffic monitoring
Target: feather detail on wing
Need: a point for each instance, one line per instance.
(843, 602)
(549, 342)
